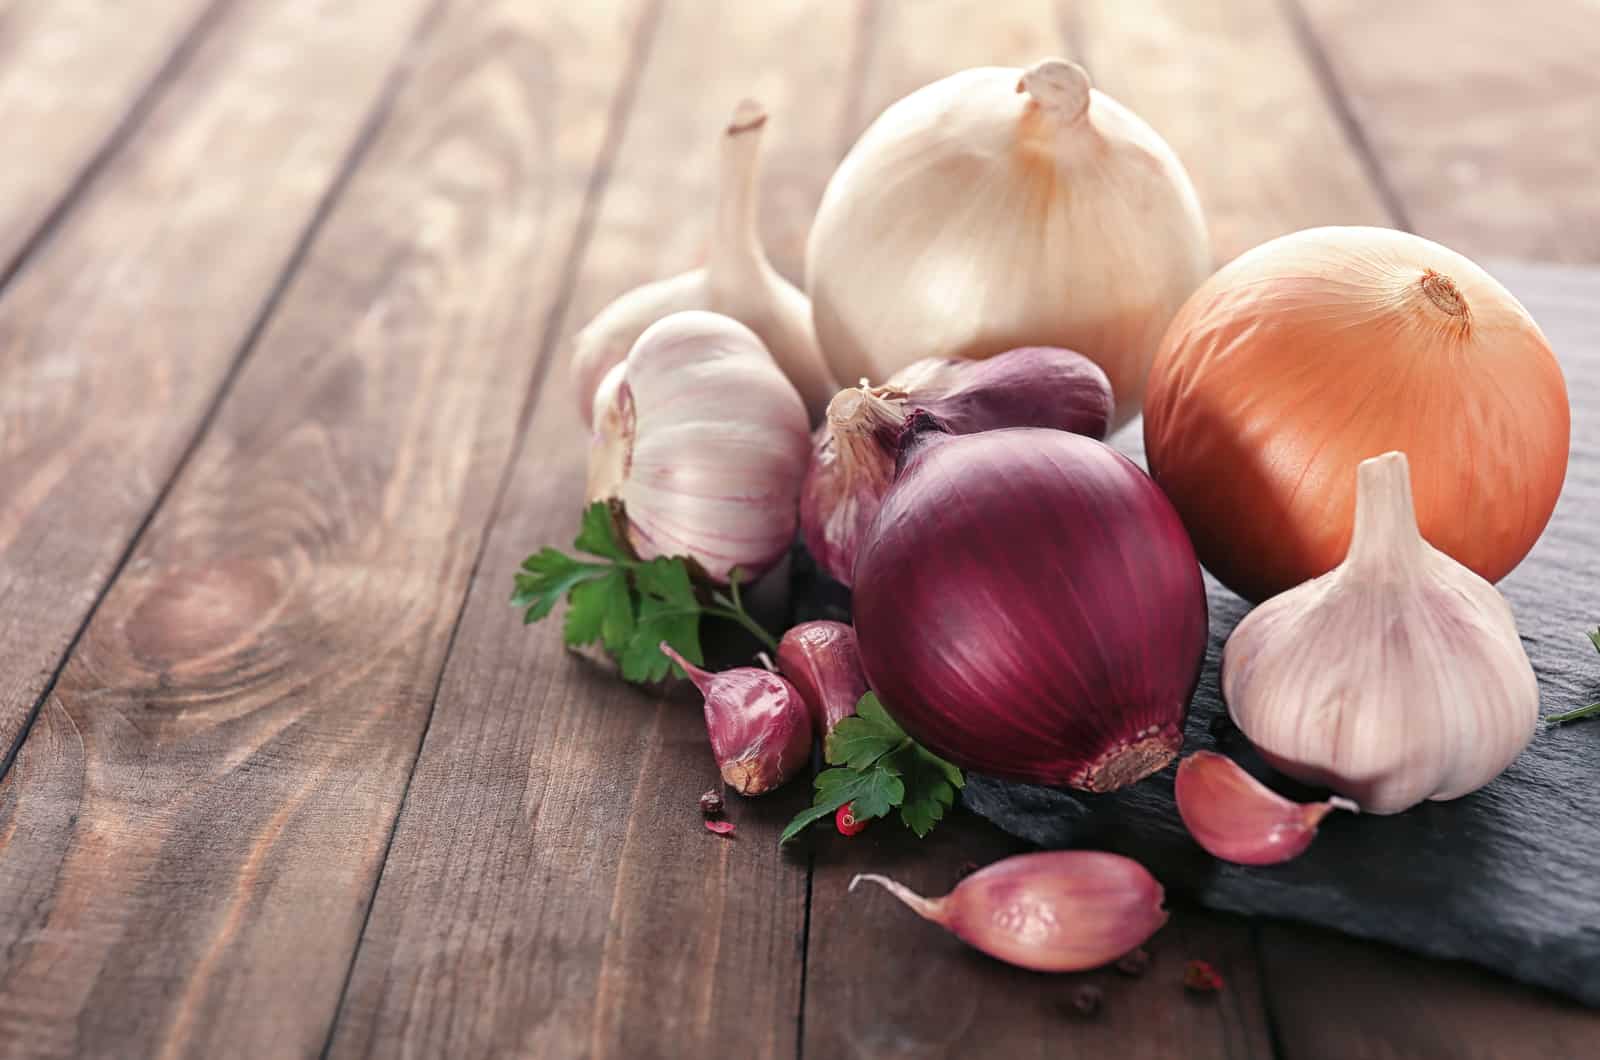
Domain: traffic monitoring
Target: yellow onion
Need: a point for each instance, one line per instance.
(1316, 351)
(1000, 208)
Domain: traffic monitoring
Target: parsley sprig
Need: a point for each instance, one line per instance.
(1592, 710)
(877, 767)
(627, 604)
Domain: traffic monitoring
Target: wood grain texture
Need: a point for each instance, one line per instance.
(955, 1002)
(1336, 998)
(883, 983)
(70, 73)
(1225, 83)
(551, 890)
(118, 334)
(191, 834)
(1482, 117)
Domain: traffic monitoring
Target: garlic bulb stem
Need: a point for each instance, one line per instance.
(1386, 538)
(736, 244)
(1062, 86)
(737, 281)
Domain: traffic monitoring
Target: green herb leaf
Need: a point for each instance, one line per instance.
(641, 658)
(874, 792)
(878, 767)
(1595, 637)
(859, 741)
(597, 534)
(601, 609)
(930, 784)
(547, 576)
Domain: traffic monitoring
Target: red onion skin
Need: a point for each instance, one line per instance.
(1032, 386)
(853, 451)
(1029, 606)
(823, 661)
(759, 726)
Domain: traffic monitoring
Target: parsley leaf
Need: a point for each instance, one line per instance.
(876, 768)
(874, 792)
(545, 577)
(627, 604)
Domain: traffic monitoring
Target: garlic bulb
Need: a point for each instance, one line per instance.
(1396, 677)
(705, 443)
(1000, 208)
(737, 280)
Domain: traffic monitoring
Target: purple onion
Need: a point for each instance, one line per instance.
(853, 452)
(1029, 606)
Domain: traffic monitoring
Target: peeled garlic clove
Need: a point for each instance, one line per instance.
(853, 452)
(1057, 911)
(1237, 818)
(759, 727)
(705, 443)
(1396, 677)
(737, 281)
(1000, 208)
(822, 660)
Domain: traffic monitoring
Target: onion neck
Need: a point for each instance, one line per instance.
(1385, 539)
(862, 411)
(736, 243)
(922, 431)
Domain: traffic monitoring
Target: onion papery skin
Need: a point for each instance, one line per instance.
(1029, 606)
(1323, 348)
(854, 451)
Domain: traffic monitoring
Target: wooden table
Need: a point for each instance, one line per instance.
(285, 292)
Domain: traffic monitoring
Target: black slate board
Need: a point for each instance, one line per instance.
(1508, 877)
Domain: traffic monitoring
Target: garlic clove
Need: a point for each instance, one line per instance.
(705, 443)
(759, 726)
(1056, 911)
(1237, 818)
(1396, 677)
(738, 280)
(822, 660)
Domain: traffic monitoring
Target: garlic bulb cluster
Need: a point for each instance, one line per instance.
(1396, 677)
(1000, 208)
(705, 443)
(737, 280)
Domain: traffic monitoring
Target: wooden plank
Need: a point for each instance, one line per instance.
(1481, 118)
(71, 75)
(116, 337)
(550, 890)
(954, 1002)
(882, 983)
(1334, 998)
(1227, 86)
(193, 829)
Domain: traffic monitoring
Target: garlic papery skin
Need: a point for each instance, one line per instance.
(705, 443)
(1000, 208)
(1396, 677)
(1237, 818)
(737, 280)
